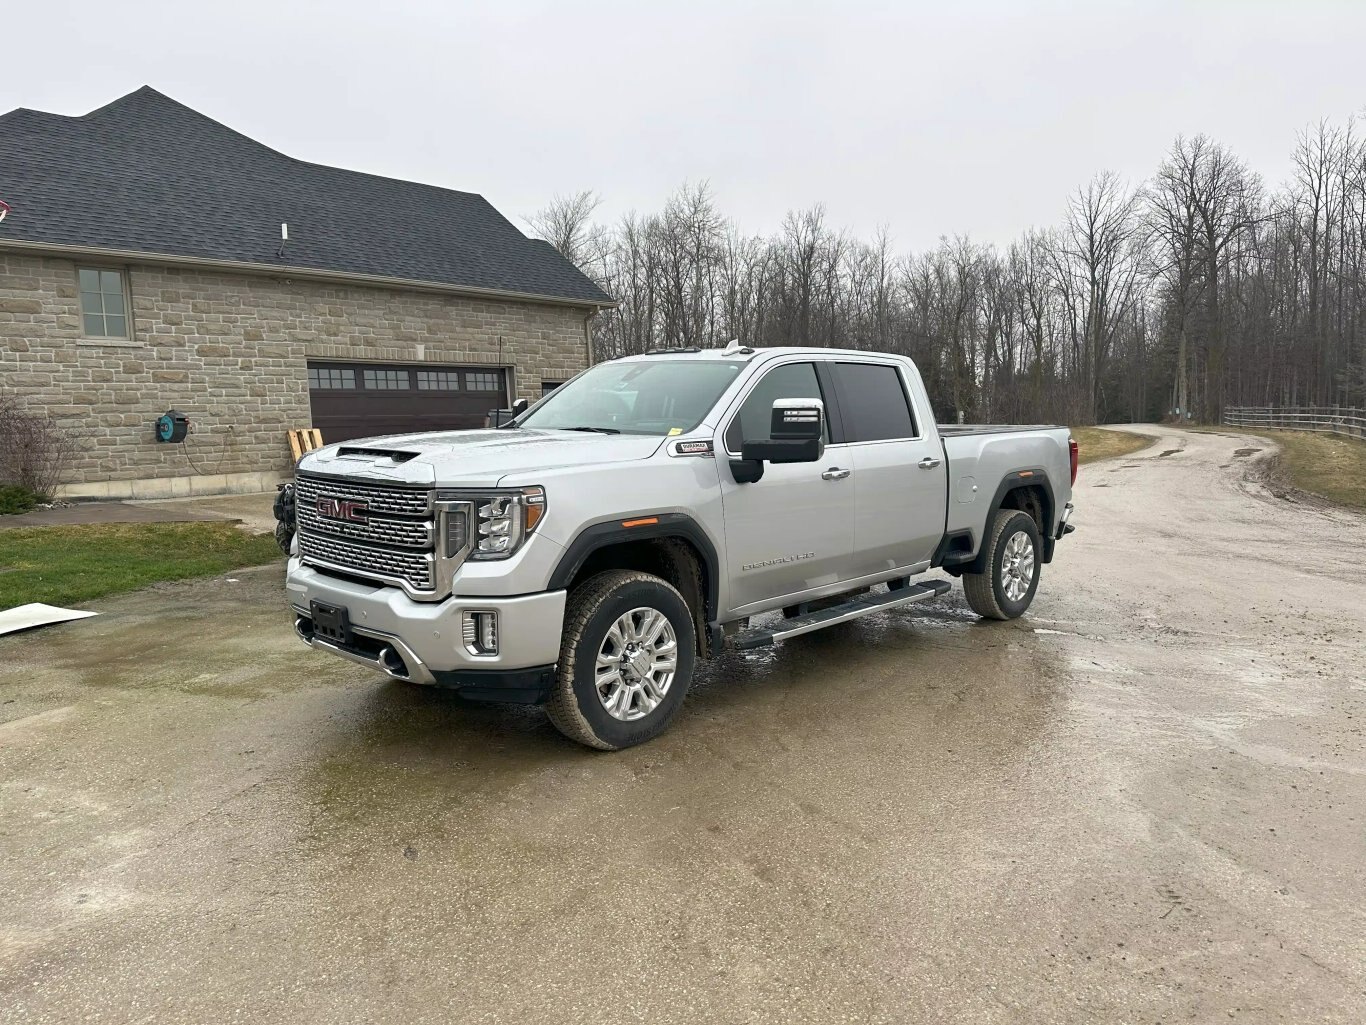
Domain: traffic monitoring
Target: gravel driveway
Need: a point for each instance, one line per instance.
(1144, 802)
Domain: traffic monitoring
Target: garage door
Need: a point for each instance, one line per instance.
(363, 400)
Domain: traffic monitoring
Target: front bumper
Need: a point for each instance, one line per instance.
(425, 642)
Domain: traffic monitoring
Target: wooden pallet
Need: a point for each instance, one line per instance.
(304, 439)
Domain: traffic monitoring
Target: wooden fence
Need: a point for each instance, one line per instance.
(1350, 423)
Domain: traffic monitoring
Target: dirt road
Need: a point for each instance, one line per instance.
(1144, 802)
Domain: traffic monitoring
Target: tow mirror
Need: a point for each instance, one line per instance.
(503, 417)
(797, 434)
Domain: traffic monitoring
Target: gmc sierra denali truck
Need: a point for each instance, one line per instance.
(586, 554)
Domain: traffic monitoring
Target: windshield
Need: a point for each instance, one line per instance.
(660, 397)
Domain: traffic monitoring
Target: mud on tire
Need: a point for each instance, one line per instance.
(591, 612)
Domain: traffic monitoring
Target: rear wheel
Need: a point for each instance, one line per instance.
(1005, 589)
(626, 660)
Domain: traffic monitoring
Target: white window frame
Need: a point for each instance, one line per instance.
(122, 273)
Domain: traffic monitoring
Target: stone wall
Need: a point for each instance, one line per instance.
(230, 351)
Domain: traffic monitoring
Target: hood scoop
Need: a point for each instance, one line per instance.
(394, 455)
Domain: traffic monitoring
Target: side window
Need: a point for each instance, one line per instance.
(104, 314)
(878, 408)
(790, 381)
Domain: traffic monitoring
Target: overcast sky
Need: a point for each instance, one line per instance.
(931, 118)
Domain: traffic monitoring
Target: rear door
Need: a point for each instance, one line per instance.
(898, 469)
(793, 530)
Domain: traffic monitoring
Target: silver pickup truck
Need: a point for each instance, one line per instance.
(586, 554)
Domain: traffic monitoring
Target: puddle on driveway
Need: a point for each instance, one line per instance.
(410, 767)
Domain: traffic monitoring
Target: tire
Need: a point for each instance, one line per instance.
(284, 536)
(621, 600)
(990, 593)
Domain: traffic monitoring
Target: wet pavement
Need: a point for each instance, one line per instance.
(1144, 802)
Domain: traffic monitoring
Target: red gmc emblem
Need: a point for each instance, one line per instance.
(342, 509)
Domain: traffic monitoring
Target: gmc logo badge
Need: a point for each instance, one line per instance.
(342, 509)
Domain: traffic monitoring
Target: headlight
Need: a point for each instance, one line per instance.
(491, 524)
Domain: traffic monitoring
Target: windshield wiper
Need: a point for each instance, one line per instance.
(593, 430)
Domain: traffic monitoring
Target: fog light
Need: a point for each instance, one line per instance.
(481, 633)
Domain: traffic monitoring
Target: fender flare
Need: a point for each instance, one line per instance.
(663, 525)
(1015, 481)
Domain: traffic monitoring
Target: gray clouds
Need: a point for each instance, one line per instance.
(929, 119)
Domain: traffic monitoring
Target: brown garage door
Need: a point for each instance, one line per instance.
(364, 400)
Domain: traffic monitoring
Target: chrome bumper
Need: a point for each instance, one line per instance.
(424, 641)
(392, 657)
(1065, 527)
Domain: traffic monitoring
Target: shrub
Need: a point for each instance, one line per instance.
(35, 449)
(15, 499)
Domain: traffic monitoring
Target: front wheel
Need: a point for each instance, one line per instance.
(626, 660)
(1006, 587)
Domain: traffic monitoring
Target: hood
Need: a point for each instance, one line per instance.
(474, 458)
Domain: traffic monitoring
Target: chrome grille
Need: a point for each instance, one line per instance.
(417, 569)
(399, 533)
(377, 497)
(392, 543)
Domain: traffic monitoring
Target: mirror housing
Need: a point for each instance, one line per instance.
(747, 471)
(796, 434)
(503, 417)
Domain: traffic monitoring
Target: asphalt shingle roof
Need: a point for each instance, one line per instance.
(150, 175)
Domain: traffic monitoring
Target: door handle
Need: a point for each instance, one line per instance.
(835, 473)
(928, 463)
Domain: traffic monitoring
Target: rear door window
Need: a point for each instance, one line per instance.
(874, 403)
(755, 419)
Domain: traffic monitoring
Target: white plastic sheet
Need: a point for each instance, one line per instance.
(25, 617)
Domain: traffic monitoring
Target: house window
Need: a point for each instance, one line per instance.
(331, 377)
(438, 380)
(478, 381)
(386, 379)
(104, 306)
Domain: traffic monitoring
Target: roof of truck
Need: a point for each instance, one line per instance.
(735, 350)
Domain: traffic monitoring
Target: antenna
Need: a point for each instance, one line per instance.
(284, 232)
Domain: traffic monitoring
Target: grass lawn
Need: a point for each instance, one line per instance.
(1322, 464)
(1094, 443)
(69, 565)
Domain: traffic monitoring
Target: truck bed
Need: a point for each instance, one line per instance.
(981, 456)
(963, 430)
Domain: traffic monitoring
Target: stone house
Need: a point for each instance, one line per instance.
(153, 259)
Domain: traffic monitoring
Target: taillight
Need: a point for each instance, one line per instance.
(1072, 456)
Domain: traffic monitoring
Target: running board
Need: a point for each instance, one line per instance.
(863, 605)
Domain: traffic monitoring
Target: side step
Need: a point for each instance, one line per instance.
(863, 605)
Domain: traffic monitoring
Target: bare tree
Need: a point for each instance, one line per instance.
(1098, 258)
(567, 224)
(1195, 290)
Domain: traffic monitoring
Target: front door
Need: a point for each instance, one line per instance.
(792, 531)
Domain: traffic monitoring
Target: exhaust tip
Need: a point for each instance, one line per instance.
(392, 663)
